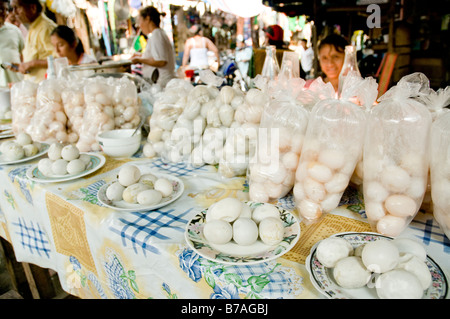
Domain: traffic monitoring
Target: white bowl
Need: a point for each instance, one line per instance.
(5, 99)
(119, 143)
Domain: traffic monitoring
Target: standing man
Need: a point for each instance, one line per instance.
(38, 45)
(306, 58)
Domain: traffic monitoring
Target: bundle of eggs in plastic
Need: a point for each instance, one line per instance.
(273, 179)
(321, 177)
(393, 193)
(23, 105)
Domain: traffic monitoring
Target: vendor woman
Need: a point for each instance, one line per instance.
(158, 59)
(68, 45)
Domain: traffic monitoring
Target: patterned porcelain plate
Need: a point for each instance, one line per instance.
(96, 162)
(322, 277)
(42, 150)
(178, 189)
(6, 133)
(234, 254)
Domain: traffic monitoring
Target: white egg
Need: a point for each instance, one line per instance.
(334, 159)
(373, 190)
(149, 197)
(23, 139)
(114, 191)
(298, 191)
(391, 225)
(14, 152)
(314, 190)
(75, 166)
(164, 186)
(130, 193)
(45, 166)
(59, 167)
(309, 210)
(54, 151)
(330, 202)
(129, 175)
(417, 267)
(129, 113)
(290, 160)
(380, 256)
(271, 230)
(417, 187)
(319, 172)
(227, 209)
(401, 205)
(148, 179)
(337, 184)
(374, 210)
(395, 178)
(70, 152)
(350, 272)
(85, 158)
(264, 211)
(102, 99)
(30, 150)
(408, 246)
(218, 231)
(398, 284)
(245, 231)
(4, 146)
(148, 150)
(330, 250)
(257, 192)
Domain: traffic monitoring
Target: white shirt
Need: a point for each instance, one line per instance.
(11, 45)
(159, 48)
(306, 59)
(199, 56)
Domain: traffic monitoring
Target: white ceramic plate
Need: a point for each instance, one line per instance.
(96, 162)
(6, 133)
(323, 280)
(234, 254)
(178, 189)
(43, 149)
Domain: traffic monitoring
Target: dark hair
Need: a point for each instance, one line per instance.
(67, 34)
(152, 13)
(27, 3)
(338, 42)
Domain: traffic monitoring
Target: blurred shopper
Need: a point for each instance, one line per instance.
(306, 58)
(11, 46)
(275, 36)
(196, 50)
(68, 45)
(37, 43)
(158, 59)
(331, 54)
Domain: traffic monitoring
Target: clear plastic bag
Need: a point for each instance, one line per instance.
(333, 146)
(23, 105)
(74, 105)
(396, 158)
(49, 120)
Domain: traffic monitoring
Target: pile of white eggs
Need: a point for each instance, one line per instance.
(63, 160)
(23, 105)
(23, 146)
(398, 266)
(73, 102)
(321, 178)
(393, 193)
(230, 220)
(133, 187)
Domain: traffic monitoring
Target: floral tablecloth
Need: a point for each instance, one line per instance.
(99, 252)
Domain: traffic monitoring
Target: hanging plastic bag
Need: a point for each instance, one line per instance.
(396, 158)
(74, 105)
(333, 145)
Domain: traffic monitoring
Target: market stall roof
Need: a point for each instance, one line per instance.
(244, 9)
(292, 7)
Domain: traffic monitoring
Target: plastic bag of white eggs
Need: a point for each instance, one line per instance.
(440, 170)
(63, 159)
(74, 105)
(126, 105)
(49, 120)
(396, 159)
(230, 220)
(271, 173)
(395, 268)
(23, 105)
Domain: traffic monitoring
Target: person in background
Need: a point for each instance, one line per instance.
(196, 49)
(37, 43)
(331, 55)
(13, 19)
(158, 59)
(306, 58)
(68, 45)
(275, 36)
(11, 46)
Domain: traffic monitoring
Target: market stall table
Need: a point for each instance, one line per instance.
(99, 252)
